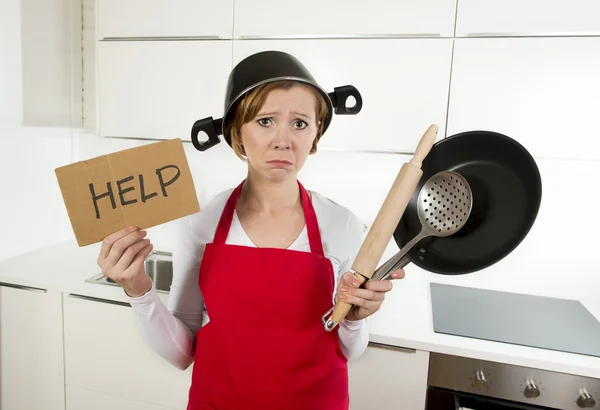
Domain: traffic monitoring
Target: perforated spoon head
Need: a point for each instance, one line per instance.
(445, 203)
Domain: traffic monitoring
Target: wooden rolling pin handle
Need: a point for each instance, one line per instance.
(385, 223)
(424, 145)
(342, 307)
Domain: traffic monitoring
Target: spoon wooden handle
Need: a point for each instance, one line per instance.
(387, 219)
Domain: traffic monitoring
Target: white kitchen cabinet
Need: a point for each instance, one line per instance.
(388, 378)
(158, 89)
(403, 83)
(542, 92)
(45, 43)
(106, 352)
(531, 17)
(163, 18)
(275, 18)
(80, 399)
(31, 349)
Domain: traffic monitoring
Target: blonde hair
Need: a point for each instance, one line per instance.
(249, 106)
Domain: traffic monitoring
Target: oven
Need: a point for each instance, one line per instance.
(460, 383)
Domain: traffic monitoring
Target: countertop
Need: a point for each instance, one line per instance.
(63, 267)
(405, 319)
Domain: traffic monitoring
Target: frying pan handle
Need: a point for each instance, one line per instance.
(339, 97)
(212, 128)
(398, 261)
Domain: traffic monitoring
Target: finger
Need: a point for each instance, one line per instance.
(366, 303)
(398, 274)
(108, 242)
(348, 280)
(121, 245)
(365, 294)
(379, 285)
(130, 253)
(141, 256)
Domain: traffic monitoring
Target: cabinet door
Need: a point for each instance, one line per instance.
(31, 349)
(403, 84)
(531, 17)
(80, 399)
(388, 378)
(106, 352)
(158, 89)
(540, 91)
(163, 18)
(274, 18)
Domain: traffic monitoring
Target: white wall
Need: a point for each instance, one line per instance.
(32, 214)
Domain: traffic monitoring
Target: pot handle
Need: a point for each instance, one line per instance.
(212, 128)
(339, 97)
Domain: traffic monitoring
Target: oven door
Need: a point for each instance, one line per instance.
(442, 399)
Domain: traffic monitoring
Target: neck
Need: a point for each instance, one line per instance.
(262, 195)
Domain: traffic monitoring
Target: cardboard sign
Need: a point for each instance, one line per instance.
(143, 186)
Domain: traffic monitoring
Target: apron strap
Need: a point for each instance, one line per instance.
(227, 216)
(312, 226)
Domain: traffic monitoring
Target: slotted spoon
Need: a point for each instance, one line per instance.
(444, 205)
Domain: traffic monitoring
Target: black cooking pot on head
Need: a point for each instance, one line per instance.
(265, 67)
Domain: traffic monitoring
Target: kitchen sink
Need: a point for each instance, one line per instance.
(158, 265)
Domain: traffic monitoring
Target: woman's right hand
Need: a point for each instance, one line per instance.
(122, 257)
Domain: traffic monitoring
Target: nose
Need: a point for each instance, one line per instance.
(283, 138)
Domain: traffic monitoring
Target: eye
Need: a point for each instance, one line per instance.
(299, 124)
(264, 121)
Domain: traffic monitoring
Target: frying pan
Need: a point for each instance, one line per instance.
(507, 192)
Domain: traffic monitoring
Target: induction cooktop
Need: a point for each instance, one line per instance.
(528, 320)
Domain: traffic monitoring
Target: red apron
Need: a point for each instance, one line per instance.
(265, 346)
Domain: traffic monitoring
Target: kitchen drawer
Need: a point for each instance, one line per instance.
(158, 89)
(540, 91)
(106, 352)
(388, 378)
(79, 399)
(531, 17)
(31, 349)
(343, 18)
(163, 18)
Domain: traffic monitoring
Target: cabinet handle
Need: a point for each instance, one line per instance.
(166, 38)
(391, 347)
(536, 34)
(23, 287)
(337, 36)
(94, 299)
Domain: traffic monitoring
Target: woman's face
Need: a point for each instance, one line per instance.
(278, 140)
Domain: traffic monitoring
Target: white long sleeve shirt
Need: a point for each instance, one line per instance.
(171, 329)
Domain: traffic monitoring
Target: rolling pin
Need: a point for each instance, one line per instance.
(385, 223)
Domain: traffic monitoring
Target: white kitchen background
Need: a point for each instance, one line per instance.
(73, 76)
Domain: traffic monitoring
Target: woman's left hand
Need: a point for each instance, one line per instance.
(366, 300)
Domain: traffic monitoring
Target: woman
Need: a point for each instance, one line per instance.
(256, 269)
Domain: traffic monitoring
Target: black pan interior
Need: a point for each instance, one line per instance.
(507, 191)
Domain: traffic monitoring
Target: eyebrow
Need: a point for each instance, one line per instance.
(276, 112)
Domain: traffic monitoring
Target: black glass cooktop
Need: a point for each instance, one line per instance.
(528, 320)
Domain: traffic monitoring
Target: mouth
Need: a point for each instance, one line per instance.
(280, 163)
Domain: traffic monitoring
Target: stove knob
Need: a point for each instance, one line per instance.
(531, 390)
(585, 400)
(480, 380)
